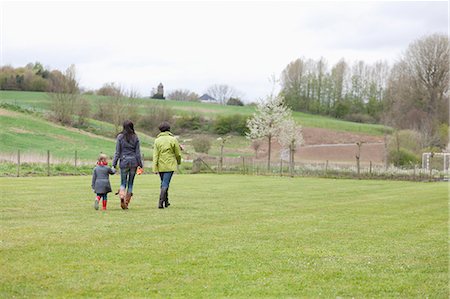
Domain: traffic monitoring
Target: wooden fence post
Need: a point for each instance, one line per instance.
(48, 162)
(18, 163)
(281, 167)
(76, 157)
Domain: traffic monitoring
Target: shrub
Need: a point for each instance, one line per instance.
(154, 117)
(201, 144)
(403, 157)
(235, 102)
(406, 139)
(360, 118)
(236, 123)
(190, 122)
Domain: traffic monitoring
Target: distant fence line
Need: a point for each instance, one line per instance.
(251, 166)
(247, 165)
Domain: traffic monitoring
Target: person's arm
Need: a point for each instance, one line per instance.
(94, 178)
(138, 154)
(111, 170)
(177, 151)
(117, 153)
(155, 157)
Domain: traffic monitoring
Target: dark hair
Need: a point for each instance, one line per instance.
(128, 130)
(164, 126)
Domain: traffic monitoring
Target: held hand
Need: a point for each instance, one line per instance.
(140, 170)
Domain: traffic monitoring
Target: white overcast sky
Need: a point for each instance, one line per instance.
(192, 45)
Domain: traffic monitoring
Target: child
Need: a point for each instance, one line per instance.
(100, 180)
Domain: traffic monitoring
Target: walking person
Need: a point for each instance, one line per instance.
(100, 181)
(129, 153)
(166, 157)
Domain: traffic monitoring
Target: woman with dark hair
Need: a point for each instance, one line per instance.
(129, 153)
(166, 157)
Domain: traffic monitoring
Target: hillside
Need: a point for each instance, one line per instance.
(40, 102)
(35, 135)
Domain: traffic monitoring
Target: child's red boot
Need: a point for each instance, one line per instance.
(104, 202)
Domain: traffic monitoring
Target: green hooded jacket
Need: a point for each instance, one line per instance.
(166, 153)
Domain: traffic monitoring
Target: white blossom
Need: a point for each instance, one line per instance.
(267, 118)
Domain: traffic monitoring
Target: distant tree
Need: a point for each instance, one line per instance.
(417, 91)
(123, 106)
(256, 145)
(292, 79)
(266, 121)
(82, 110)
(110, 89)
(290, 137)
(222, 92)
(65, 96)
(183, 95)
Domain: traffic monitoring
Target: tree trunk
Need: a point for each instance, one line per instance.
(269, 152)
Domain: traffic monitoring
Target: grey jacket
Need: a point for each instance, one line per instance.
(100, 179)
(129, 153)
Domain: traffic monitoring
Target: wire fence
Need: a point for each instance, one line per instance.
(26, 163)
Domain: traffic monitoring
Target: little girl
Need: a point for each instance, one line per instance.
(100, 180)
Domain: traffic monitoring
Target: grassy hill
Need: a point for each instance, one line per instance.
(39, 101)
(36, 135)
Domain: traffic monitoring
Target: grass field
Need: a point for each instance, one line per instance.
(40, 102)
(225, 236)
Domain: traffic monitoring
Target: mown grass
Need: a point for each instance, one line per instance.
(40, 101)
(226, 236)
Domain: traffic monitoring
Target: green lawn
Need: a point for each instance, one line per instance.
(225, 236)
(40, 101)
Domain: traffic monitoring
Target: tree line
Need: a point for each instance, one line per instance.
(411, 94)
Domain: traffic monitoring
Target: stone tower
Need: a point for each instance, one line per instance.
(161, 90)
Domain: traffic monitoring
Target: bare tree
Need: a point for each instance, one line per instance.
(417, 90)
(256, 145)
(65, 96)
(123, 105)
(222, 92)
(183, 95)
(428, 61)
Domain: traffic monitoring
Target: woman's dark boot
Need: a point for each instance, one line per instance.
(166, 200)
(162, 197)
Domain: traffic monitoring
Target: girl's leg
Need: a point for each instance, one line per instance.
(96, 201)
(104, 201)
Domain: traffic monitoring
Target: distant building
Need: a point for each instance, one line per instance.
(206, 98)
(159, 93)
